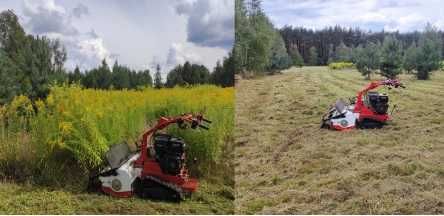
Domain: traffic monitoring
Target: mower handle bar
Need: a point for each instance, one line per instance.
(195, 121)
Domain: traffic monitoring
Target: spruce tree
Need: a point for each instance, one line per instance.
(428, 53)
(296, 57)
(367, 59)
(313, 57)
(409, 59)
(158, 78)
(391, 57)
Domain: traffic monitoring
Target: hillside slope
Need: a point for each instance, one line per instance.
(286, 164)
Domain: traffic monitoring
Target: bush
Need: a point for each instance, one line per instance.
(340, 65)
(441, 65)
(75, 127)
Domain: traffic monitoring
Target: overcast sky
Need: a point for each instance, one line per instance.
(375, 15)
(135, 32)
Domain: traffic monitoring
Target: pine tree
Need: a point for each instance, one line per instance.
(120, 77)
(76, 75)
(313, 57)
(296, 57)
(8, 79)
(279, 58)
(343, 53)
(103, 73)
(158, 78)
(428, 53)
(367, 58)
(391, 58)
(409, 59)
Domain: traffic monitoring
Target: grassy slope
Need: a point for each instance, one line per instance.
(28, 199)
(215, 195)
(286, 164)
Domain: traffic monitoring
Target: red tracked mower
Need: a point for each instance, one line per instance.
(368, 110)
(157, 170)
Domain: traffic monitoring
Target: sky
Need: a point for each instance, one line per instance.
(136, 33)
(374, 15)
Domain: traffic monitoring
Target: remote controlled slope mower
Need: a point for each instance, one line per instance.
(369, 110)
(157, 170)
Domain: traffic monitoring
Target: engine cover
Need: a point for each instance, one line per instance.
(170, 153)
(378, 102)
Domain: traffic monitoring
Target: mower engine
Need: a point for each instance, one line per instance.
(369, 110)
(169, 153)
(377, 102)
(156, 170)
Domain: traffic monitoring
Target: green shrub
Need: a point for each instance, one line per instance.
(340, 65)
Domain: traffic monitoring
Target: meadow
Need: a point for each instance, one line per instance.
(49, 147)
(286, 164)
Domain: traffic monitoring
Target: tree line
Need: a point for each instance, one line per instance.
(192, 74)
(30, 64)
(259, 47)
(391, 58)
(335, 42)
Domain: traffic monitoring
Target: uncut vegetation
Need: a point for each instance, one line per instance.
(340, 65)
(73, 127)
(299, 168)
(259, 48)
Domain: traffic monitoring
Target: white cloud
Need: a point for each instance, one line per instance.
(390, 15)
(134, 31)
(37, 5)
(210, 22)
(179, 53)
(45, 17)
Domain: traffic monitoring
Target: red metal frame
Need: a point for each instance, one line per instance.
(365, 112)
(150, 167)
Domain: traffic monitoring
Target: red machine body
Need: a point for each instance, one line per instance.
(149, 165)
(142, 173)
(369, 110)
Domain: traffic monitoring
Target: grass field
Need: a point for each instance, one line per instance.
(29, 199)
(286, 164)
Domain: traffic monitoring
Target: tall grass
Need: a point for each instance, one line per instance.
(75, 126)
(340, 65)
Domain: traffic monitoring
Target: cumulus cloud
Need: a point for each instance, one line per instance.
(200, 31)
(85, 49)
(180, 53)
(44, 16)
(209, 22)
(80, 10)
(87, 52)
(375, 15)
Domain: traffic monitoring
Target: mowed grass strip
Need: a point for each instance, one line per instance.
(28, 199)
(286, 164)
